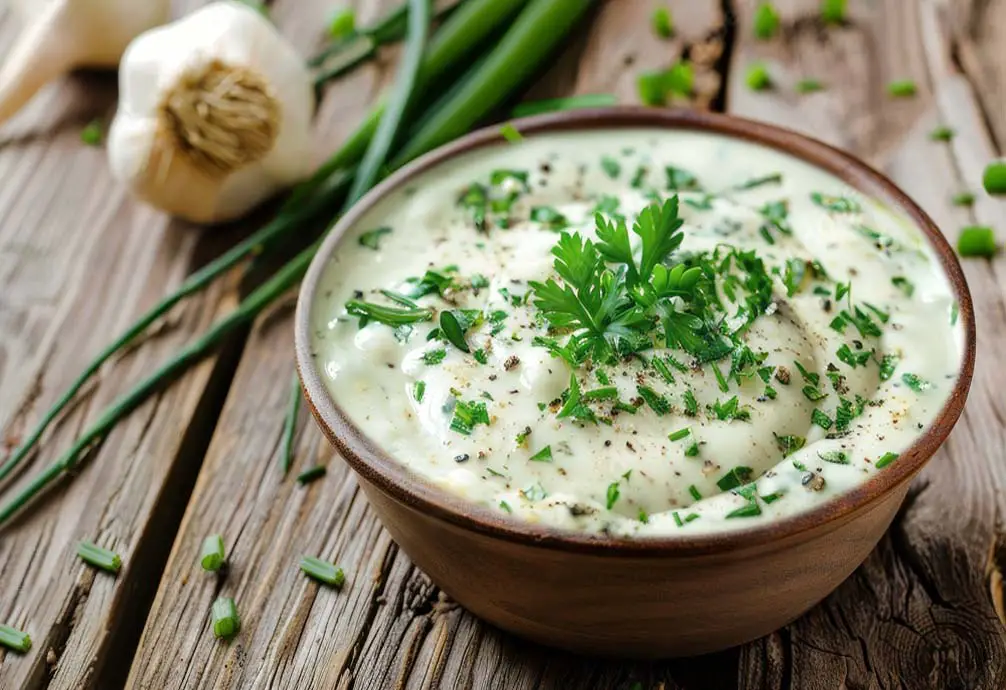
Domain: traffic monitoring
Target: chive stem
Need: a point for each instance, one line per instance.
(226, 621)
(213, 557)
(323, 571)
(290, 425)
(14, 640)
(312, 474)
(99, 557)
(551, 105)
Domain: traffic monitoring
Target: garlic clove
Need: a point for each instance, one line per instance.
(214, 114)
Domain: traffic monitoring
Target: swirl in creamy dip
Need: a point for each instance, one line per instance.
(810, 338)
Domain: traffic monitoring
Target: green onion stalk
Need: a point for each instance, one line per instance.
(533, 37)
(461, 34)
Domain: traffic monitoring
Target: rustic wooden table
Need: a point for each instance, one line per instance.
(79, 259)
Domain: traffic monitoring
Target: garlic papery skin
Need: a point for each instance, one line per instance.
(60, 35)
(214, 114)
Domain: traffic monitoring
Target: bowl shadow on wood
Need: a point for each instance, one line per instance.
(644, 598)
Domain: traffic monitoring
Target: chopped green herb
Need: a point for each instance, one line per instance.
(510, 133)
(888, 363)
(481, 356)
(880, 313)
(766, 21)
(694, 491)
(854, 359)
(752, 509)
(963, 199)
(506, 506)
(657, 402)
(903, 284)
(454, 324)
(534, 492)
(679, 179)
(955, 312)
(796, 271)
(550, 105)
(809, 86)
(833, 11)
(691, 404)
(720, 381)
(757, 77)
(643, 517)
(679, 434)
(730, 410)
(810, 376)
(342, 25)
(734, 478)
(662, 23)
(813, 393)
(770, 392)
(885, 460)
(836, 204)
(468, 415)
(688, 518)
(605, 393)
(323, 571)
(310, 475)
(679, 80)
(789, 444)
(99, 557)
(916, 382)
(994, 178)
(212, 557)
(613, 495)
(976, 240)
(543, 455)
(821, 419)
(434, 357)
(389, 316)
(611, 167)
(942, 133)
(692, 450)
(226, 622)
(652, 88)
(419, 390)
(771, 178)
(372, 238)
(836, 457)
(14, 640)
(662, 369)
(772, 497)
(902, 88)
(92, 133)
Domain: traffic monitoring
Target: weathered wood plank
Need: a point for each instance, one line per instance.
(919, 612)
(390, 627)
(78, 261)
(980, 30)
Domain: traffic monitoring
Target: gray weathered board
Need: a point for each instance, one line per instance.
(79, 259)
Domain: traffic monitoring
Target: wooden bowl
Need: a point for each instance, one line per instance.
(645, 597)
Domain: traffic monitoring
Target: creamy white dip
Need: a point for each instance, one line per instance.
(658, 442)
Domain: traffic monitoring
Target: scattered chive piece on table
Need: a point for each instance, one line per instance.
(757, 77)
(652, 88)
(343, 24)
(994, 179)
(942, 133)
(976, 240)
(902, 88)
(766, 21)
(550, 105)
(92, 133)
(99, 557)
(833, 11)
(323, 571)
(963, 199)
(14, 640)
(226, 622)
(510, 133)
(662, 22)
(679, 80)
(212, 557)
(308, 476)
(290, 423)
(809, 86)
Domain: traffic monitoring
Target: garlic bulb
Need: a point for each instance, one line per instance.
(60, 35)
(214, 114)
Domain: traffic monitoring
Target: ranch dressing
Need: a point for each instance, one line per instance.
(845, 352)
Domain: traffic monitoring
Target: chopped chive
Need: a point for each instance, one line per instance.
(213, 557)
(766, 21)
(643, 517)
(757, 77)
(963, 199)
(14, 640)
(752, 509)
(433, 357)
(680, 79)
(903, 284)
(720, 380)
(662, 23)
(885, 460)
(372, 238)
(691, 404)
(789, 444)
(942, 133)
(902, 88)
(662, 369)
(836, 457)
(342, 25)
(323, 571)
(226, 622)
(589, 100)
(606, 393)
(821, 419)
(833, 11)
(99, 557)
(916, 382)
(679, 434)
(692, 450)
(419, 391)
(651, 88)
(994, 178)
(809, 85)
(613, 495)
(976, 240)
(308, 476)
(694, 491)
(543, 455)
(657, 402)
(510, 133)
(610, 166)
(91, 134)
(506, 506)
(734, 478)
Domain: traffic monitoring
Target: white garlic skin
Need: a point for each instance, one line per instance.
(157, 63)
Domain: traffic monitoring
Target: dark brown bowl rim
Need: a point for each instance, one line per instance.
(405, 486)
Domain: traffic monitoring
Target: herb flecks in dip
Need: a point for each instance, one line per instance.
(637, 332)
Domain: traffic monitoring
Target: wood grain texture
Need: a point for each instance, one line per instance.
(78, 261)
(920, 613)
(390, 627)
